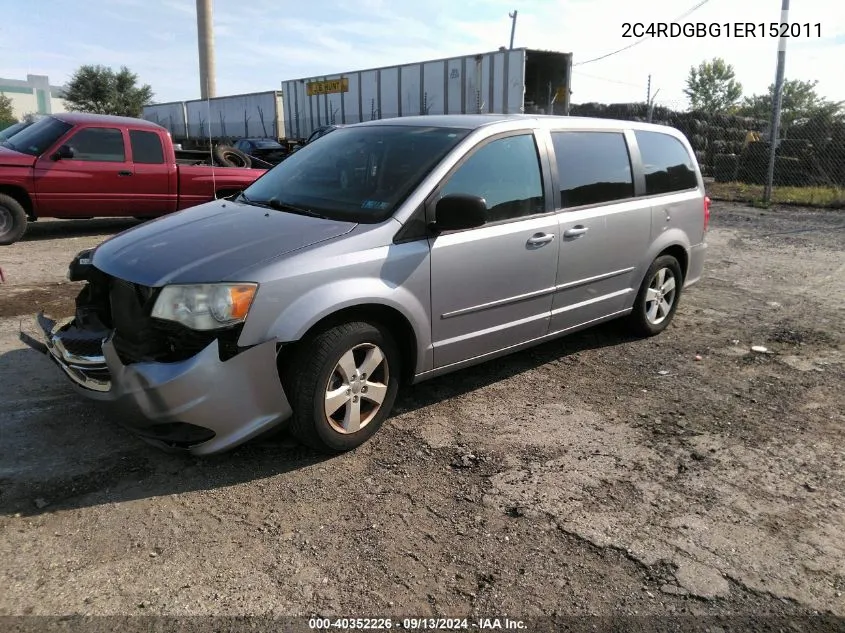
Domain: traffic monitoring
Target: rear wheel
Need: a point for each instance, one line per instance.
(342, 385)
(12, 220)
(658, 297)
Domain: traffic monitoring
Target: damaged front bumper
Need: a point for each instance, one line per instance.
(203, 404)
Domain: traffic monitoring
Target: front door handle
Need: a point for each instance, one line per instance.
(124, 173)
(539, 239)
(575, 231)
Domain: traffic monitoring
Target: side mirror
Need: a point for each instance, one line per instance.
(65, 151)
(460, 211)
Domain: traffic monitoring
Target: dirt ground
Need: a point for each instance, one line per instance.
(597, 475)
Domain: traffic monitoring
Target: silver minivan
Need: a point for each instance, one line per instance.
(388, 251)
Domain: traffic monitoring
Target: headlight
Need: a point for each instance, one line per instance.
(205, 306)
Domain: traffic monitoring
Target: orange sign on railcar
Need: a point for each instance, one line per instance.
(328, 87)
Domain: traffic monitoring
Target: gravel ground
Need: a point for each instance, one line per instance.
(596, 475)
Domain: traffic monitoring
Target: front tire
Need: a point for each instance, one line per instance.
(342, 384)
(12, 220)
(658, 297)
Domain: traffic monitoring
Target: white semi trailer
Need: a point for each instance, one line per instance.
(258, 115)
(503, 81)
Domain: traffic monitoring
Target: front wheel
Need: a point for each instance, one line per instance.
(658, 297)
(342, 384)
(12, 220)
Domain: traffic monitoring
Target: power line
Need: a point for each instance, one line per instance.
(644, 38)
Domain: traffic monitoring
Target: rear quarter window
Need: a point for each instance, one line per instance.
(146, 147)
(667, 164)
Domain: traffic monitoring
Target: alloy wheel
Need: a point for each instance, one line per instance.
(660, 296)
(356, 388)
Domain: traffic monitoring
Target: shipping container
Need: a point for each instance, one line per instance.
(258, 114)
(504, 81)
(170, 116)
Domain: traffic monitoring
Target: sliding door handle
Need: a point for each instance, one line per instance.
(539, 239)
(575, 231)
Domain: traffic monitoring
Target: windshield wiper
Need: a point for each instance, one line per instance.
(278, 205)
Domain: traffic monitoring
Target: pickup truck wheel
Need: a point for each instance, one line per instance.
(227, 156)
(342, 385)
(658, 297)
(12, 220)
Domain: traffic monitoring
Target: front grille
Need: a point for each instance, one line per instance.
(83, 346)
(134, 337)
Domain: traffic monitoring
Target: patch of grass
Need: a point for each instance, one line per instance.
(827, 197)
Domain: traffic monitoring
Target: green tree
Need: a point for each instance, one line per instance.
(100, 90)
(7, 115)
(799, 101)
(713, 86)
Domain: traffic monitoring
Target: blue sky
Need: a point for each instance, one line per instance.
(260, 43)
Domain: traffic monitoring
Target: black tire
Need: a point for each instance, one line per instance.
(638, 320)
(12, 220)
(308, 374)
(228, 156)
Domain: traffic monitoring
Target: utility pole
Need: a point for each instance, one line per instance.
(777, 101)
(648, 91)
(651, 106)
(512, 16)
(205, 42)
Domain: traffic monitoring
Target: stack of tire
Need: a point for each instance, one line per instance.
(597, 110)
(753, 163)
(826, 162)
(725, 143)
(794, 163)
(832, 161)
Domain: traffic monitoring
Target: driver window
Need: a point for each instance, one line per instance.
(506, 173)
(99, 144)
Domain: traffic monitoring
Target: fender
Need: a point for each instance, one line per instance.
(18, 182)
(299, 317)
(667, 239)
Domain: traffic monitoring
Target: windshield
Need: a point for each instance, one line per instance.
(267, 145)
(38, 137)
(355, 174)
(11, 130)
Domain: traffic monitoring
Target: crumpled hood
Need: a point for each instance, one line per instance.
(11, 158)
(209, 243)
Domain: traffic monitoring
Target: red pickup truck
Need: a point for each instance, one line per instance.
(83, 166)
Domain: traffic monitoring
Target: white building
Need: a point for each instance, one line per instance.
(33, 96)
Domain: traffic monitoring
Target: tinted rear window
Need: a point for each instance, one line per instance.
(146, 147)
(593, 167)
(667, 164)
